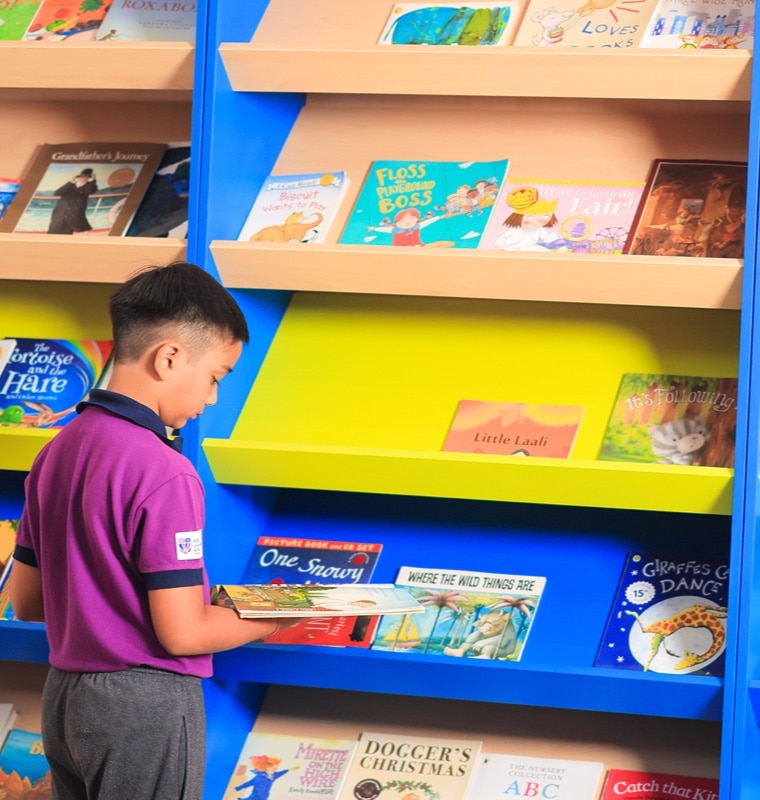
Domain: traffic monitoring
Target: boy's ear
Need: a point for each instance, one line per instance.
(165, 359)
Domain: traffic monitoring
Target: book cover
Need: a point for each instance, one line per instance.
(691, 208)
(15, 17)
(60, 20)
(513, 429)
(8, 715)
(452, 23)
(24, 770)
(467, 614)
(499, 775)
(400, 767)
(280, 560)
(697, 24)
(644, 785)
(163, 209)
(563, 216)
(6, 611)
(8, 189)
(611, 24)
(283, 766)
(83, 188)
(294, 208)
(43, 380)
(315, 600)
(425, 203)
(8, 529)
(672, 419)
(127, 21)
(668, 615)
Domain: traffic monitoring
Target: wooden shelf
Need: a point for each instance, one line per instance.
(628, 280)
(143, 66)
(594, 484)
(416, 69)
(92, 259)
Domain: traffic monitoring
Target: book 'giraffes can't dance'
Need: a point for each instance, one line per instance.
(668, 616)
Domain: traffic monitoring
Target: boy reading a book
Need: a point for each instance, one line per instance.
(109, 552)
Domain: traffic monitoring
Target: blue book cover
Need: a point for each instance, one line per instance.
(43, 380)
(425, 203)
(24, 770)
(668, 616)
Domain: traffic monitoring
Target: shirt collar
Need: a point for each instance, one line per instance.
(131, 410)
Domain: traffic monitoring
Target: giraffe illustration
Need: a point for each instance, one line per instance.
(696, 616)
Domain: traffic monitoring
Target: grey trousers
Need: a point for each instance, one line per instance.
(139, 734)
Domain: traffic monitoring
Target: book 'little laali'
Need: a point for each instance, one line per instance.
(283, 767)
(668, 616)
(394, 766)
(467, 614)
(314, 600)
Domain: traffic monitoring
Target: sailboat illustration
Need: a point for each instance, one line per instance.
(403, 634)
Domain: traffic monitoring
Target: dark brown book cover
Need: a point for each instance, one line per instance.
(87, 188)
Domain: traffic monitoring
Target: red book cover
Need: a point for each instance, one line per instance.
(640, 785)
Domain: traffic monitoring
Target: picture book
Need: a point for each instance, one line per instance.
(513, 429)
(668, 615)
(499, 775)
(280, 560)
(563, 216)
(284, 766)
(394, 766)
(315, 600)
(83, 188)
(7, 540)
(15, 17)
(163, 209)
(644, 785)
(295, 208)
(466, 614)
(24, 770)
(472, 23)
(127, 21)
(8, 188)
(62, 20)
(610, 24)
(6, 611)
(691, 208)
(8, 714)
(672, 419)
(43, 380)
(425, 203)
(699, 24)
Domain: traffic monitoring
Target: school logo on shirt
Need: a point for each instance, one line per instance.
(189, 545)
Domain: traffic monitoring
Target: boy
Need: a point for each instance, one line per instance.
(109, 552)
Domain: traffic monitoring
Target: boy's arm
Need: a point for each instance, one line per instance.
(186, 626)
(26, 592)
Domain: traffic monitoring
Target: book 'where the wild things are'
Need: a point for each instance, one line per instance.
(500, 775)
(691, 208)
(128, 21)
(279, 560)
(672, 419)
(513, 429)
(467, 614)
(668, 615)
(425, 203)
(82, 188)
(284, 767)
(462, 24)
(546, 216)
(394, 766)
(43, 380)
(294, 208)
(633, 784)
(697, 24)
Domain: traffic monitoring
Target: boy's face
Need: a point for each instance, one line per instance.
(195, 382)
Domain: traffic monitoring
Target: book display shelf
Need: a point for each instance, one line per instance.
(331, 425)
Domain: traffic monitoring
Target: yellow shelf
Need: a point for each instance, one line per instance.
(452, 71)
(19, 446)
(595, 484)
(628, 280)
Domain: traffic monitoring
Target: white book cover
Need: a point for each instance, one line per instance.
(294, 208)
(127, 21)
(701, 25)
(8, 716)
(500, 775)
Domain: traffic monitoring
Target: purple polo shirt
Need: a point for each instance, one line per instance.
(112, 511)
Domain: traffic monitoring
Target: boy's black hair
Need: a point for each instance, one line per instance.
(180, 294)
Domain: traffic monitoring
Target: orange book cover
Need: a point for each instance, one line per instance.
(514, 429)
(60, 20)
